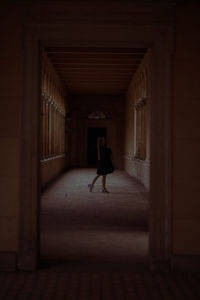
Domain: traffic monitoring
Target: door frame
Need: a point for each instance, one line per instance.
(160, 39)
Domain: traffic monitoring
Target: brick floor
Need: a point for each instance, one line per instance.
(98, 285)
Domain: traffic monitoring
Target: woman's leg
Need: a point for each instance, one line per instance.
(104, 182)
(95, 179)
(104, 190)
(93, 182)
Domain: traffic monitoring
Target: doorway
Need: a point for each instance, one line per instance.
(160, 187)
(93, 134)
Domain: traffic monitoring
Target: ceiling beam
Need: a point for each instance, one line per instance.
(94, 68)
(58, 60)
(95, 55)
(95, 50)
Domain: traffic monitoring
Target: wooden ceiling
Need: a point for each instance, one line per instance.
(95, 70)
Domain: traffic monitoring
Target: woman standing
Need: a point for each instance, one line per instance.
(104, 164)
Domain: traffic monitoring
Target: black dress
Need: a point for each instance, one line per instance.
(104, 165)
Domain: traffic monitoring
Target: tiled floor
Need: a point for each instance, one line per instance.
(94, 246)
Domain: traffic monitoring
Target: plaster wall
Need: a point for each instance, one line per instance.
(186, 132)
(10, 98)
(138, 168)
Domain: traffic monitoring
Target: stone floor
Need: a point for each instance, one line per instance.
(80, 226)
(94, 246)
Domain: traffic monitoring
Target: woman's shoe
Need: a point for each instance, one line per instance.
(105, 191)
(90, 187)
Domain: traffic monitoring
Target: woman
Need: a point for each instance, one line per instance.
(104, 164)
